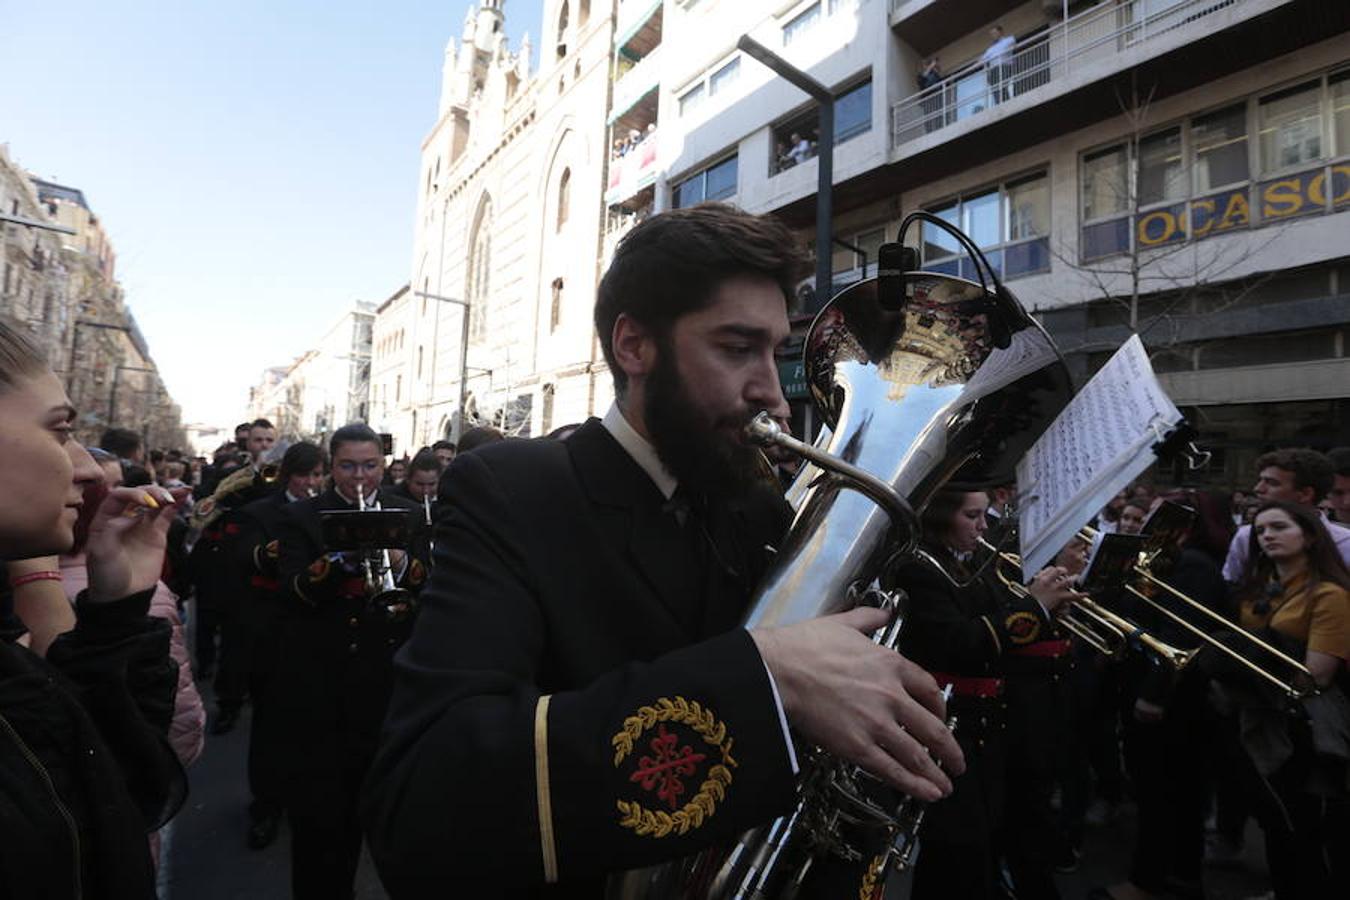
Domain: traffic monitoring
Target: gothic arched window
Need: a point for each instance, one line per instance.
(479, 276)
(564, 197)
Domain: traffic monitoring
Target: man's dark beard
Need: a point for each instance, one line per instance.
(696, 450)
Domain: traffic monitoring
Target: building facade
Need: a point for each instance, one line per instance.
(59, 283)
(508, 230)
(1175, 168)
(327, 387)
(393, 366)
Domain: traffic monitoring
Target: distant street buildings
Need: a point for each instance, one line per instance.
(59, 284)
(326, 387)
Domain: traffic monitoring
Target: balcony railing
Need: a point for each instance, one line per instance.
(1088, 37)
(632, 171)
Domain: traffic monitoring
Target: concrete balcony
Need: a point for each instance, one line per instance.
(1089, 47)
(930, 25)
(633, 171)
(631, 17)
(634, 84)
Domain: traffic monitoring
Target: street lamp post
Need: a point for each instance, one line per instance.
(112, 395)
(463, 348)
(824, 97)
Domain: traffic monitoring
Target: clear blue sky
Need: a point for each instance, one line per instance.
(255, 162)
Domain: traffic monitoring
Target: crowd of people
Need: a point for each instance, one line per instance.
(528, 670)
(630, 142)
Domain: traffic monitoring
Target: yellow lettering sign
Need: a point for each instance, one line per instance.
(1281, 198)
(1236, 213)
(1202, 217)
(1162, 220)
(1340, 182)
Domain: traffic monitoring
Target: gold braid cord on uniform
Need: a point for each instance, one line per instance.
(548, 850)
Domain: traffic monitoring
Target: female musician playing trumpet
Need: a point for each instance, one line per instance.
(1296, 586)
(962, 635)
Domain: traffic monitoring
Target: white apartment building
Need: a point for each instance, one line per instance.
(1202, 144)
(326, 387)
(393, 364)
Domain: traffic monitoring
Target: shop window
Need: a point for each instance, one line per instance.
(1340, 112)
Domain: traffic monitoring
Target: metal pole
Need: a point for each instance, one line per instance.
(112, 396)
(824, 154)
(824, 205)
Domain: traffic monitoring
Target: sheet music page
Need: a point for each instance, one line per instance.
(1093, 448)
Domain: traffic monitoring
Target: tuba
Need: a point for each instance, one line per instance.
(923, 380)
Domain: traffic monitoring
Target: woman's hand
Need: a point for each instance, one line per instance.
(1052, 587)
(125, 552)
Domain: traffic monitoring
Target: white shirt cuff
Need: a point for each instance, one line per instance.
(782, 720)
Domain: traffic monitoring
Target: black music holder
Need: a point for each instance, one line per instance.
(360, 530)
(1178, 445)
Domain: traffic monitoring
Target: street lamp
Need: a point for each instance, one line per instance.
(824, 98)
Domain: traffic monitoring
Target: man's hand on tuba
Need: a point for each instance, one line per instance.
(861, 702)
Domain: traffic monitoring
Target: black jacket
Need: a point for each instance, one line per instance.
(86, 769)
(566, 660)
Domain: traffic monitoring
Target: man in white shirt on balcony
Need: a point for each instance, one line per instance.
(997, 60)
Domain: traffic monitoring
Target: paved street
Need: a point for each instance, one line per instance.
(210, 862)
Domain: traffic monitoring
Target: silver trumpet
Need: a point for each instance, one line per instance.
(924, 381)
(382, 592)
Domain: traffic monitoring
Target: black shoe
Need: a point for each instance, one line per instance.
(225, 721)
(263, 831)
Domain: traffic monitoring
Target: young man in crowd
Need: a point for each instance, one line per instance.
(1291, 475)
(251, 545)
(445, 452)
(1339, 495)
(335, 669)
(582, 620)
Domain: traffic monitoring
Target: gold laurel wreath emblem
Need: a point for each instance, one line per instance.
(659, 823)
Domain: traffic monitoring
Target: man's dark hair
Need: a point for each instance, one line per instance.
(672, 264)
(477, 437)
(300, 459)
(134, 475)
(156, 457)
(1311, 469)
(121, 442)
(1340, 461)
(261, 423)
(444, 445)
(242, 426)
(355, 433)
(424, 461)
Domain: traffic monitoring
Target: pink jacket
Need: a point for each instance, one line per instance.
(187, 730)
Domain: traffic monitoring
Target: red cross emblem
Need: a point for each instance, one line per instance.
(664, 770)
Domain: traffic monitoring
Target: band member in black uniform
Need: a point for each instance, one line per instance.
(965, 637)
(335, 671)
(424, 474)
(217, 587)
(1038, 686)
(253, 550)
(577, 698)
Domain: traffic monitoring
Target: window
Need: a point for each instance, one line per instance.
(1340, 113)
(796, 139)
(555, 311)
(1009, 222)
(801, 24)
(398, 388)
(717, 182)
(724, 77)
(853, 113)
(546, 413)
(419, 362)
(562, 32)
(1161, 168)
(1290, 125)
(479, 276)
(692, 99)
(564, 197)
(1220, 140)
(868, 242)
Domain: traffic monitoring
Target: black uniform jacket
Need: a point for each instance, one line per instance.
(572, 701)
(254, 550)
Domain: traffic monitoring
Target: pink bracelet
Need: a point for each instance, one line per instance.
(21, 580)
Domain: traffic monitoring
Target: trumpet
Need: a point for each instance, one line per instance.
(381, 590)
(1101, 629)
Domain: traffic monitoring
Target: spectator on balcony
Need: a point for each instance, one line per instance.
(997, 60)
(801, 149)
(931, 76)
